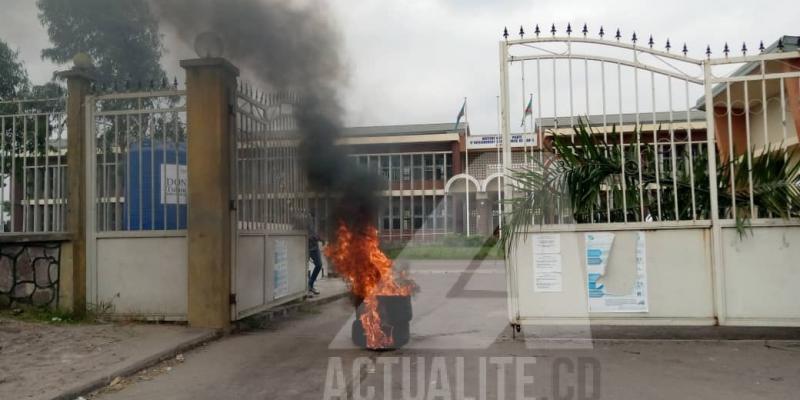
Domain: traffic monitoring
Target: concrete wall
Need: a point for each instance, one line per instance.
(143, 277)
(759, 279)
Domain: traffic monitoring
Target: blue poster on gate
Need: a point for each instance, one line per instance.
(599, 247)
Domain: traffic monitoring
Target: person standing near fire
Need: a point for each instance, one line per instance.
(305, 220)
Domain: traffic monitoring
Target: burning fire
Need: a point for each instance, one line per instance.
(368, 272)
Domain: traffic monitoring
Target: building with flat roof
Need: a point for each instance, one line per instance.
(439, 181)
(428, 192)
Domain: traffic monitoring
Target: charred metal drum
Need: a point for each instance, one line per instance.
(395, 314)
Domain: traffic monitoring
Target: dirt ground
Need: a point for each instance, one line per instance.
(41, 360)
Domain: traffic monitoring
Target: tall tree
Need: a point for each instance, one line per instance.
(13, 76)
(122, 37)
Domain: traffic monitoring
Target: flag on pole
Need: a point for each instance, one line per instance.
(528, 111)
(461, 114)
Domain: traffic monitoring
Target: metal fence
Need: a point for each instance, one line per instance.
(270, 186)
(139, 169)
(754, 111)
(639, 116)
(33, 190)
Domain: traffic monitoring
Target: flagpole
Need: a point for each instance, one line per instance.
(524, 116)
(533, 126)
(499, 198)
(466, 157)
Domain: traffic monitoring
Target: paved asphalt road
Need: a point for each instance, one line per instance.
(461, 347)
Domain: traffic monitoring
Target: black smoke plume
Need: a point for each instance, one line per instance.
(289, 46)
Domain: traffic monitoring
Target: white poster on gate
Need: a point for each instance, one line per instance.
(547, 243)
(280, 270)
(174, 181)
(547, 263)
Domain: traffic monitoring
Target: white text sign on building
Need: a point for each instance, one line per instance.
(493, 141)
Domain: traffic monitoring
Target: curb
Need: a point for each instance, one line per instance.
(326, 300)
(136, 366)
(284, 310)
(147, 362)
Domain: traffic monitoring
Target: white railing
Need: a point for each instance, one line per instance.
(754, 122)
(33, 189)
(646, 112)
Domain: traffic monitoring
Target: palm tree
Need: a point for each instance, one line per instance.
(587, 178)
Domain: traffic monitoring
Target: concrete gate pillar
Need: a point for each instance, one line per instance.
(72, 279)
(210, 105)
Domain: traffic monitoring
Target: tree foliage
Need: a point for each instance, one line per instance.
(27, 123)
(122, 37)
(13, 76)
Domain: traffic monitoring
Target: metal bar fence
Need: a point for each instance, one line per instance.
(757, 136)
(667, 180)
(270, 187)
(139, 170)
(33, 166)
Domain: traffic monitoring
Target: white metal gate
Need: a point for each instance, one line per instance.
(136, 169)
(677, 120)
(270, 255)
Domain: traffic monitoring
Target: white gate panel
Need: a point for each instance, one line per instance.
(269, 198)
(678, 266)
(143, 277)
(250, 272)
(762, 276)
(698, 144)
(270, 270)
(297, 261)
(137, 253)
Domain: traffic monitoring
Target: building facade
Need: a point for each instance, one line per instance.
(430, 190)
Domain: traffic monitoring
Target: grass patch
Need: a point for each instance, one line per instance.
(39, 314)
(443, 252)
(448, 247)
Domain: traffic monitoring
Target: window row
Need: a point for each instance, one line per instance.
(409, 167)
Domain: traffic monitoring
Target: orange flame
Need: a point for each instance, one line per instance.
(368, 273)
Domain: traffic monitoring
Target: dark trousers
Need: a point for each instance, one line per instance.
(316, 258)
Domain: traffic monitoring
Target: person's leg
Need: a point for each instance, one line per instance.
(317, 260)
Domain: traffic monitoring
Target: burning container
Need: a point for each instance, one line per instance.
(383, 307)
(155, 194)
(395, 316)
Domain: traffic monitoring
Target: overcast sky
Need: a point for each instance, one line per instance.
(413, 61)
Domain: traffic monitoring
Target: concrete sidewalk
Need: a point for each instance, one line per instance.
(49, 361)
(59, 361)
